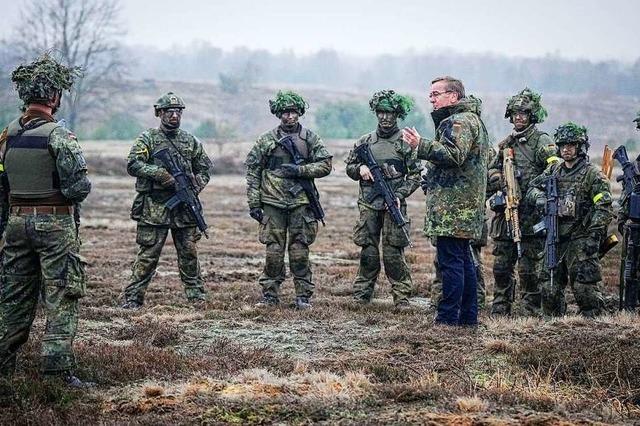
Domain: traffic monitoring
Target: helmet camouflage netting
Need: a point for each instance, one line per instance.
(390, 101)
(43, 78)
(529, 101)
(287, 101)
(572, 133)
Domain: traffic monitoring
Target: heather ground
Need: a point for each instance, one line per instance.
(229, 362)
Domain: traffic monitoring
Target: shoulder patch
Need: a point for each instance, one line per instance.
(456, 128)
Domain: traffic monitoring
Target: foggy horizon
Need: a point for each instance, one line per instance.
(571, 29)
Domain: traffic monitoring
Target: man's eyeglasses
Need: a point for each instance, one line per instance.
(171, 111)
(436, 94)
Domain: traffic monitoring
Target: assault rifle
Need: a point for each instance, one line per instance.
(185, 192)
(512, 200)
(304, 184)
(550, 226)
(382, 189)
(629, 283)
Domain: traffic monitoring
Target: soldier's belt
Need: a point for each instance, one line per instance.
(36, 210)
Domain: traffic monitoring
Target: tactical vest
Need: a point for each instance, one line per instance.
(574, 203)
(525, 158)
(279, 156)
(386, 154)
(30, 167)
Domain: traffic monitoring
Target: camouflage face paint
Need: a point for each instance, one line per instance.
(387, 119)
(171, 117)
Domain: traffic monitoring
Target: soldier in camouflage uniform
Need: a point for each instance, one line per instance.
(46, 178)
(583, 217)
(402, 171)
(277, 205)
(533, 151)
(455, 193)
(154, 186)
(630, 301)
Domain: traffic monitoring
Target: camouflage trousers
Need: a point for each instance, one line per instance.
(506, 258)
(436, 285)
(372, 227)
(301, 227)
(41, 262)
(582, 272)
(151, 239)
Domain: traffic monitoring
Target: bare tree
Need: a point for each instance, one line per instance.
(81, 33)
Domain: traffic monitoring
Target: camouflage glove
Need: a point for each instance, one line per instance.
(290, 170)
(166, 180)
(257, 213)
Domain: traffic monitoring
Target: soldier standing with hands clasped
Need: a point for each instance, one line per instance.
(45, 180)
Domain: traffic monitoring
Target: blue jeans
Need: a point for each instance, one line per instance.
(459, 303)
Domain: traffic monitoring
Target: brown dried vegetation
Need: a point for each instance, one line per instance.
(229, 362)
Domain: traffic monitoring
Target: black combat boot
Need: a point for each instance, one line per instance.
(268, 302)
(302, 303)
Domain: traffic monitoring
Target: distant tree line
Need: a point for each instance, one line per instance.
(244, 67)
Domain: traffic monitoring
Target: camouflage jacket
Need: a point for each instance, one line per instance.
(456, 187)
(70, 163)
(149, 205)
(265, 183)
(397, 161)
(533, 152)
(584, 199)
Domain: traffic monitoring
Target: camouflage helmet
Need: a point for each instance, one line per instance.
(287, 101)
(637, 121)
(40, 80)
(572, 133)
(529, 101)
(169, 100)
(390, 101)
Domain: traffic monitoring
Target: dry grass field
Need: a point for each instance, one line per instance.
(229, 362)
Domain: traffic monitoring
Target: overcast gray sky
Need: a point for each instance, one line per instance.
(593, 29)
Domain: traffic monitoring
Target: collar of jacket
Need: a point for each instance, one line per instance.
(169, 132)
(387, 134)
(464, 105)
(30, 115)
(278, 133)
(523, 135)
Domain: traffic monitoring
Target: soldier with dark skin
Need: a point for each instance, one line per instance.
(282, 210)
(584, 213)
(154, 186)
(455, 193)
(46, 179)
(533, 151)
(375, 225)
